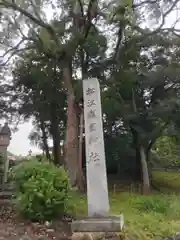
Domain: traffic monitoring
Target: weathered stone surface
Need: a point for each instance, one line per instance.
(5, 194)
(111, 224)
(97, 236)
(82, 236)
(97, 190)
(5, 137)
(175, 237)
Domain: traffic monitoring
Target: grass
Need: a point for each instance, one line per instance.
(146, 217)
(167, 181)
(152, 216)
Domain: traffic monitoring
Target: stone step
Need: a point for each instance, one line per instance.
(6, 186)
(5, 202)
(6, 194)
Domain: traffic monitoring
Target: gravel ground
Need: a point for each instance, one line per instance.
(14, 228)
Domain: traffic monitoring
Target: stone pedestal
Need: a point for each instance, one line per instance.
(108, 224)
(97, 236)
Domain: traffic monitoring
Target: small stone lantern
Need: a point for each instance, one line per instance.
(5, 137)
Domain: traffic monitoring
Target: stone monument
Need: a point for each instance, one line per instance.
(5, 137)
(97, 190)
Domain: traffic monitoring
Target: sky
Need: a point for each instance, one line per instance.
(20, 145)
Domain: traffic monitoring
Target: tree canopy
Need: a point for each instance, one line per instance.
(49, 48)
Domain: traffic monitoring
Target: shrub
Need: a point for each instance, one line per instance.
(42, 190)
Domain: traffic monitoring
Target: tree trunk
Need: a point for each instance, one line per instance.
(145, 172)
(81, 178)
(56, 142)
(72, 142)
(138, 168)
(44, 139)
(56, 149)
(72, 131)
(55, 135)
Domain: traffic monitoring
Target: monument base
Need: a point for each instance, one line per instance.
(97, 236)
(109, 224)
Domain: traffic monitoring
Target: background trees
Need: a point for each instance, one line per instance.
(39, 92)
(138, 69)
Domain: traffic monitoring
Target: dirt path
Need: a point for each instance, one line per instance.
(12, 228)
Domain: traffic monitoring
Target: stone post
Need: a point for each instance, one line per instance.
(99, 219)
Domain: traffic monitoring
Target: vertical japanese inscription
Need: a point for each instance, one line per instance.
(94, 157)
(91, 114)
(95, 154)
(90, 91)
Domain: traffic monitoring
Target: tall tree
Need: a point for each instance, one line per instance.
(61, 38)
(145, 85)
(38, 92)
(38, 137)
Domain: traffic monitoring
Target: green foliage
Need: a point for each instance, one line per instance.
(42, 189)
(119, 156)
(168, 151)
(141, 224)
(166, 181)
(157, 204)
(96, 44)
(132, 69)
